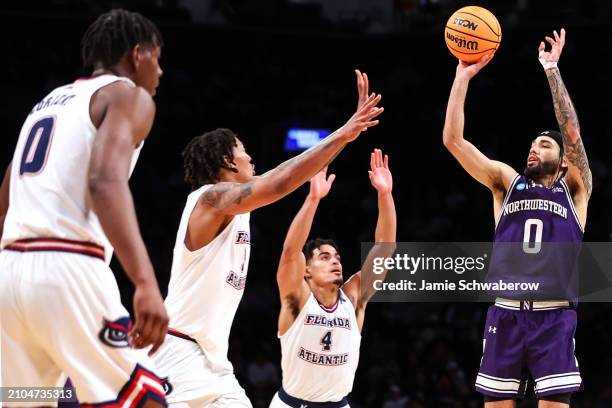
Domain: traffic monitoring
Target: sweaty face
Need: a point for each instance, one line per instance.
(242, 162)
(148, 71)
(325, 267)
(543, 158)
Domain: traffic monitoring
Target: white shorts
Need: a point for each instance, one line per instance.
(62, 315)
(278, 403)
(193, 383)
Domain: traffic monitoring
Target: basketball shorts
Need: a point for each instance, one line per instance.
(283, 400)
(192, 381)
(520, 345)
(62, 316)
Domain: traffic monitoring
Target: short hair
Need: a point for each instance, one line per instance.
(316, 243)
(204, 156)
(113, 34)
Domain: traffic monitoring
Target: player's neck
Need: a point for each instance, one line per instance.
(117, 70)
(326, 296)
(547, 181)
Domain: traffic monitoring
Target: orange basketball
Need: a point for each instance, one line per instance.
(472, 32)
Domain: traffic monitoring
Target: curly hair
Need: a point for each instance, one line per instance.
(204, 156)
(113, 34)
(316, 243)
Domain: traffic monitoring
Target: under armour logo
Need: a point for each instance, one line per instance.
(303, 406)
(492, 329)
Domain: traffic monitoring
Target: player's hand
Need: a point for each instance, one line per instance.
(380, 175)
(549, 59)
(362, 119)
(151, 319)
(320, 184)
(363, 87)
(468, 71)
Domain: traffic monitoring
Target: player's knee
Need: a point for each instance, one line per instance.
(153, 404)
(492, 402)
(556, 401)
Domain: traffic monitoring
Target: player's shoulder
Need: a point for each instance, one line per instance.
(125, 93)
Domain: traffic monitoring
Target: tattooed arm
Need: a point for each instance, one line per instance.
(579, 174)
(579, 177)
(236, 198)
(579, 171)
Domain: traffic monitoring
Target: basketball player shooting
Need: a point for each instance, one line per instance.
(321, 318)
(66, 204)
(550, 197)
(212, 250)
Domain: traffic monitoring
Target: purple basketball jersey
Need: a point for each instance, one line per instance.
(537, 240)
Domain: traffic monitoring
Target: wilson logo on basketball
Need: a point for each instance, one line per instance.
(462, 42)
(115, 334)
(466, 23)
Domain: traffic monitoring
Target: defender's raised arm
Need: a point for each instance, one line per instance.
(236, 198)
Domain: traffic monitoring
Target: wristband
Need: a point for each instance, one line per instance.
(546, 64)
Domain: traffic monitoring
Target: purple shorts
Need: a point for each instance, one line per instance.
(520, 345)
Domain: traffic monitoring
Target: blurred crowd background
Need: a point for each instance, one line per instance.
(262, 67)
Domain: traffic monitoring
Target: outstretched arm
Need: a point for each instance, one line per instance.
(237, 198)
(359, 288)
(579, 174)
(292, 265)
(4, 197)
(496, 175)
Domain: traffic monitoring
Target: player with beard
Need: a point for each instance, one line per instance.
(320, 320)
(547, 203)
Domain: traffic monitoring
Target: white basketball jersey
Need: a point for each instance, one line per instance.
(206, 285)
(320, 351)
(49, 196)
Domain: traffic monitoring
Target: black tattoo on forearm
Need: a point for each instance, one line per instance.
(289, 165)
(225, 194)
(569, 125)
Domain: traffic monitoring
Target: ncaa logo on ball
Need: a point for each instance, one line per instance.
(465, 23)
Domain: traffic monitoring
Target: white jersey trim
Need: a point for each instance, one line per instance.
(92, 127)
(571, 203)
(508, 194)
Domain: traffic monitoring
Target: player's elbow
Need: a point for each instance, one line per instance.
(100, 187)
(290, 253)
(448, 140)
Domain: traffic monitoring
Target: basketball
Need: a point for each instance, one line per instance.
(472, 32)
